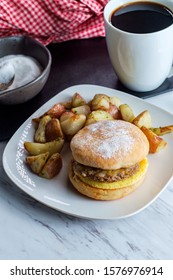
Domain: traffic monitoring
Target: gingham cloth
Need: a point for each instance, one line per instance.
(52, 20)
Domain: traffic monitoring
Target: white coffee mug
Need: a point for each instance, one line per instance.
(142, 62)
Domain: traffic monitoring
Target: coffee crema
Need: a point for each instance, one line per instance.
(142, 17)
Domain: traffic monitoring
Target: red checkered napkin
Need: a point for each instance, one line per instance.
(52, 20)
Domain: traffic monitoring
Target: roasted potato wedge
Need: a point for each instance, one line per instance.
(100, 102)
(66, 115)
(115, 101)
(84, 110)
(98, 115)
(114, 112)
(53, 130)
(67, 104)
(99, 95)
(56, 110)
(156, 143)
(52, 167)
(40, 131)
(78, 100)
(37, 162)
(72, 125)
(143, 119)
(38, 148)
(127, 113)
(162, 130)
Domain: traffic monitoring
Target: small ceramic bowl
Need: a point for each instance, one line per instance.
(22, 45)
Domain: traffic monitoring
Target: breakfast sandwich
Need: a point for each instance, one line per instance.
(109, 159)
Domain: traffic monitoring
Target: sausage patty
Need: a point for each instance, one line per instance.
(101, 175)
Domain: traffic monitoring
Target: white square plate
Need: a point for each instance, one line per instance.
(58, 192)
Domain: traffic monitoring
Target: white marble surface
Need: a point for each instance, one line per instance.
(30, 230)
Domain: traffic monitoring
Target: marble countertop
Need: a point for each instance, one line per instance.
(30, 230)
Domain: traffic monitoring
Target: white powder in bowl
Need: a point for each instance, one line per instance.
(26, 69)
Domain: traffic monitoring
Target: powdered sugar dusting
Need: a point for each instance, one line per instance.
(112, 138)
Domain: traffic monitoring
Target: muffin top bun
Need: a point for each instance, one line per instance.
(109, 144)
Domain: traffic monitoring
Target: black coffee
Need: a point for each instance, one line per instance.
(142, 17)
